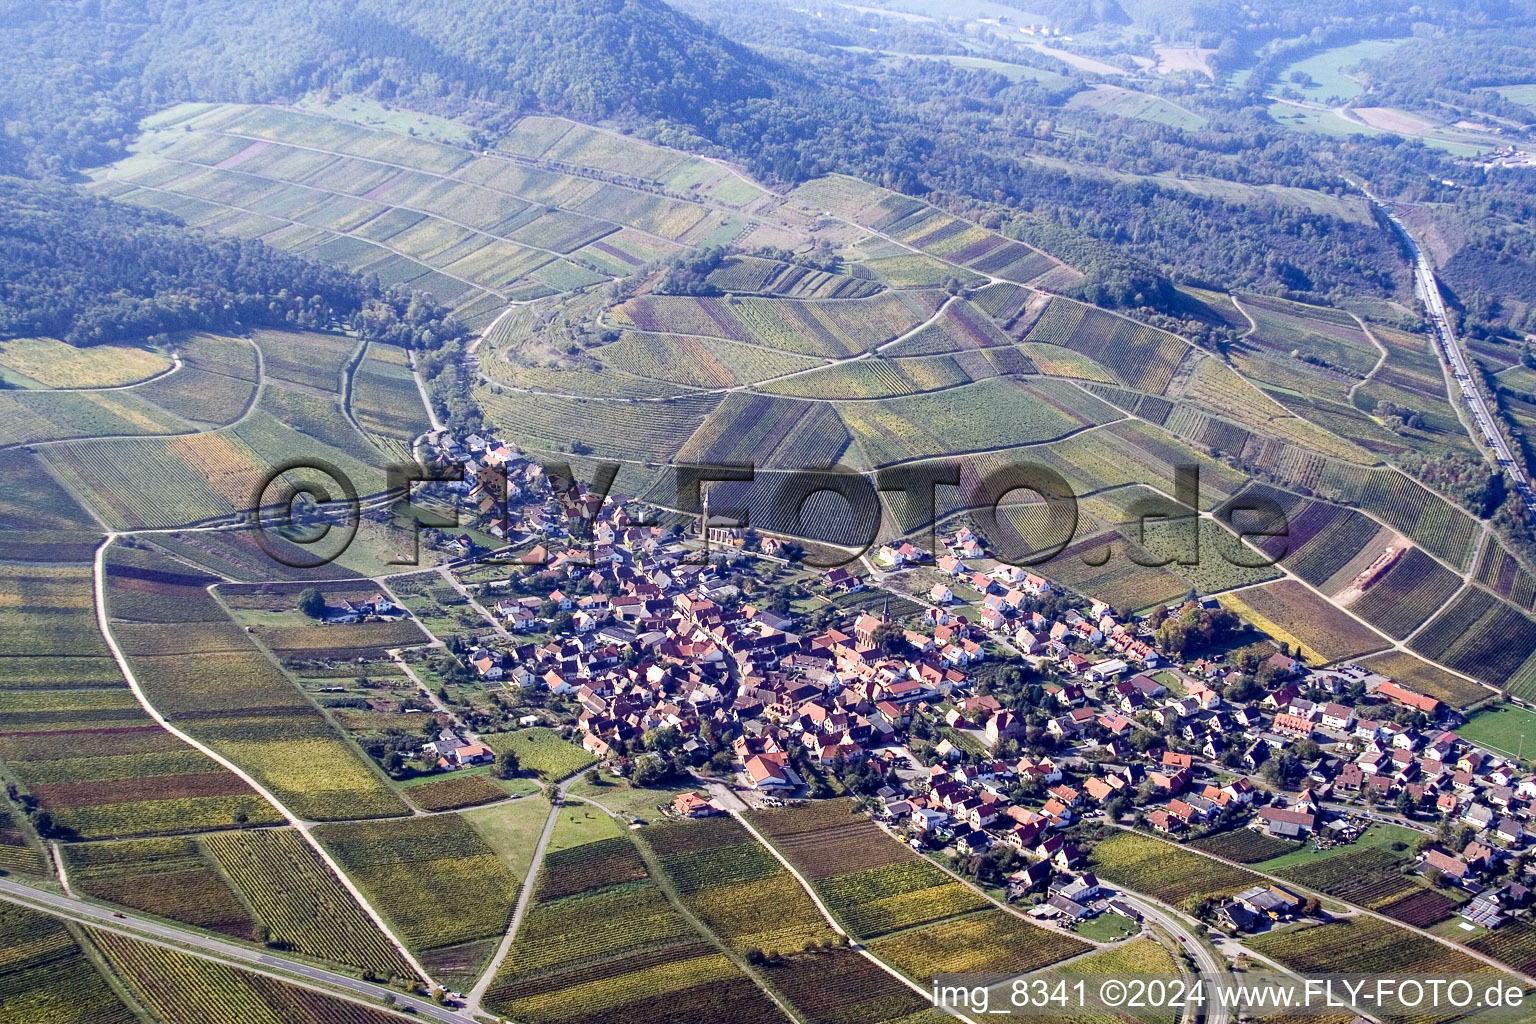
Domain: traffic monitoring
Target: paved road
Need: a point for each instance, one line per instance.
(1212, 970)
(1451, 352)
(228, 953)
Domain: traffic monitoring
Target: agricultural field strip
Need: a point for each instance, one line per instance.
(251, 407)
(748, 387)
(493, 967)
(229, 954)
(991, 278)
(1425, 625)
(595, 174)
(870, 354)
(347, 379)
(1095, 945)
(664, 882)
(1467, 577)
(476, 995)
(176, 365)
(1380, 362)
(1490, 961)
(1388, 644)
(395, 206)
(508, 158)
(822, 907)
(381, 245)
(99, 579)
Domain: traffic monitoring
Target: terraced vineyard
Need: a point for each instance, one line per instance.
(1164, 871)
(877, 887)
(1407, 594)
(736, 887)
(202, 671)
(838, 986)
(1504, 574)
(435, 879)
(300, 901)
(1513, 943)
(600, 927)
(1141, 358)
(831, 329)
(162, 470)
(894, 896)
(1423, 517)
(1330, 337)
(1484, 638)
(778, 368)
(1422, 677)
(455, 792)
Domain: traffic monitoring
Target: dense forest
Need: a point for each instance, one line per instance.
(750, 80)
(88, 270)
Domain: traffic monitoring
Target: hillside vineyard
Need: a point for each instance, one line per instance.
(681, 511)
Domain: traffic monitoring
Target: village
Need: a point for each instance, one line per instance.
(998, 734)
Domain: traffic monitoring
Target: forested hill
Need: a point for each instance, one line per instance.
(85, 71)
(587, 58)
(87, 270)
(79, 74)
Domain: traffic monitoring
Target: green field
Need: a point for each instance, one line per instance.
(1107, 927)
(1117, 102)
(512, 830)
(1381, 836)
(541, 751)
(1501, 727)
(1326, 69)
(48, 363)
(1525, 95)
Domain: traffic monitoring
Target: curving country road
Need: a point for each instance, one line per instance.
(1207, 961)
(1451, 353)
(476, 995)
(228, 953)
(303, 827)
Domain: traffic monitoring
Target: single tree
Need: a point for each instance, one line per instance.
(312, 603)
